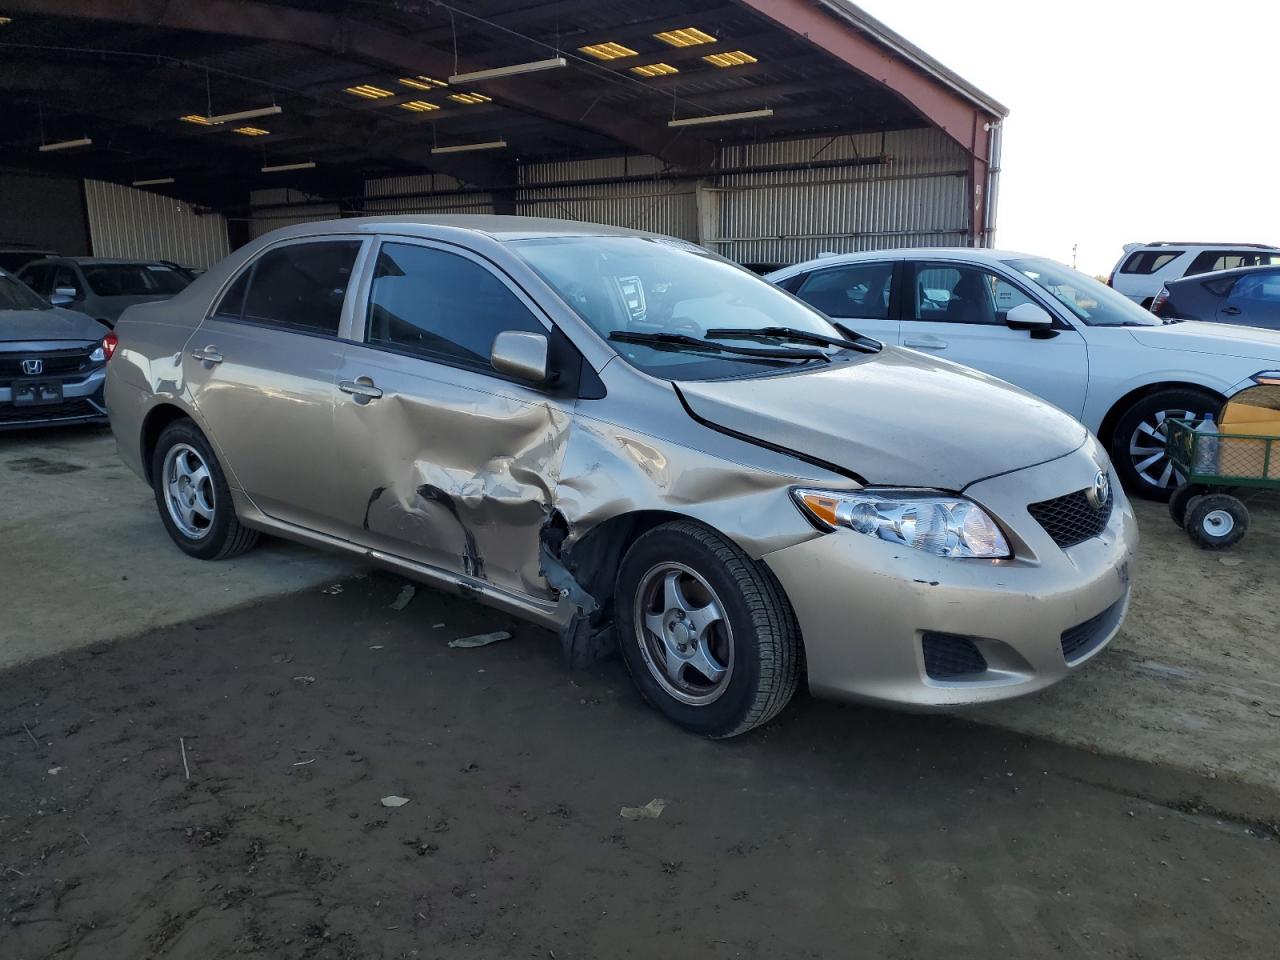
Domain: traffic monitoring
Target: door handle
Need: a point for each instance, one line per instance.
(361, 388)
(209, 354)
(1231, 311)
(927, 343)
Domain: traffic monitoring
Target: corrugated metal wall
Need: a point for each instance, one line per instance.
(267, 217)
(918, 199)
(393, 187)
(663, 206)
(124, 222)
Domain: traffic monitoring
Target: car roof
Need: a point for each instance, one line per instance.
(497, 227)
(1157, 244)
(978, 254)
(1233, 272)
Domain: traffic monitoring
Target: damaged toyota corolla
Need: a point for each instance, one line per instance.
(637, 444)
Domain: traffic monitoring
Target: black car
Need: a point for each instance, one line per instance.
(1249, 296)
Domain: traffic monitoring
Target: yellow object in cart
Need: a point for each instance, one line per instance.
(1251, 413)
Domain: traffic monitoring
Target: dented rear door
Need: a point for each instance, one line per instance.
(442, 460)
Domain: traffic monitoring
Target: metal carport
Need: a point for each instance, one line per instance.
(849, 136)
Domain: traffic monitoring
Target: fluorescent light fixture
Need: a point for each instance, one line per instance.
(155, 182)
(369, 91)
(469, 98)
(251, 131)
(533, 66)
(686, 37)
(735, 58)
(282, 167)
(464, 147)
(4, 20)
(197, 119)
(655, 70)
(608, 51)
(422, 83)
(270, 111)
(65, 144)
(721, 118)
(418, 106)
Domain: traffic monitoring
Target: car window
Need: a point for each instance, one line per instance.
(133, 279)
(441, 305)
(1150, 261)
(64, 276)
(1258, 287)
(962, 294)
(39, 278)
(16, 295)
(1212, 260)
(302, 285)
(231, 306)
(856, 290)
(1088, 300)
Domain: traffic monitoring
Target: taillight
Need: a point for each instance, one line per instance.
(1158, 303)
(109, 344)
(1111, 279)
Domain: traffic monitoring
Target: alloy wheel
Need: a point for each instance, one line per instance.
(188, 489)
(685, 638)
(1147, 447)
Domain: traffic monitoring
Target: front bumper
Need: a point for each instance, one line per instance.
(865, 606)
(81, 403)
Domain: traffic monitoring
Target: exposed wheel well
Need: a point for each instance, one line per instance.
(157, 419)
(595, 559)
(1107, 430)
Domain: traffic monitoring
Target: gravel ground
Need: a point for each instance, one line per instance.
(835, 831)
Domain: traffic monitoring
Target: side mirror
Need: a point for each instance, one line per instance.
(71, 293)
(60, 299)
(519, 354)
(1028, 316)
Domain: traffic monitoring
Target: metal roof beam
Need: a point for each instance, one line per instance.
(359, 39)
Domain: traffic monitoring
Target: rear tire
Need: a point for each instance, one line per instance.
(689, 604)
(1217, 521)
(193, 497)
(1137, 444)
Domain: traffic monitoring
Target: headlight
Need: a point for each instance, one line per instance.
(922, 519)
(99, 355)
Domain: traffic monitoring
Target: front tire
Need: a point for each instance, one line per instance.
(1138, 442)
(706, 633)
(193, 497)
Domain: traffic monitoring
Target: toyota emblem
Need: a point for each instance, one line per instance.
(33, 367)
(1100, 492)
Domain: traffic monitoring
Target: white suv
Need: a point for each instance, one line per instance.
(1146, 267)
(1050, 330)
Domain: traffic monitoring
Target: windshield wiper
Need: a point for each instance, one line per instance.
(680, 341)
(862, 344)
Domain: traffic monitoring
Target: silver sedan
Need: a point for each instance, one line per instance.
(639, 445)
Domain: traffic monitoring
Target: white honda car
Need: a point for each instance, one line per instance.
(1052, 331)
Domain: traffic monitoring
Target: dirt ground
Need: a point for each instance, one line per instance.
(836, 831)
(1193, 679)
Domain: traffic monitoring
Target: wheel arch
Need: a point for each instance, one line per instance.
(153, 424)
(1106, 431)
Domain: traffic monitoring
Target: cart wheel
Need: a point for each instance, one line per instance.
(1216, 521)
(1180, 501)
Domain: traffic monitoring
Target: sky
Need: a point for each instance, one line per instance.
(1130, 120)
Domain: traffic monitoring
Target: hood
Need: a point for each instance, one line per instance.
(55, 324)
(900, 418)
(1222, 339)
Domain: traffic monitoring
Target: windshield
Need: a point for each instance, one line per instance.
(643, 285)
(1093, 302)
(16, 295)
(134, 279)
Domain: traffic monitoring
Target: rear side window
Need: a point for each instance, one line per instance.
(441, 305)
(856, 291)
(301, 286)
(1150, 261)
(231, 306)
(1212, 260)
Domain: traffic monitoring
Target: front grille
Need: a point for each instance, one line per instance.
(57, 363)
(68, 409)
(1072, 519)
(1083, 639)
(948, 656)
